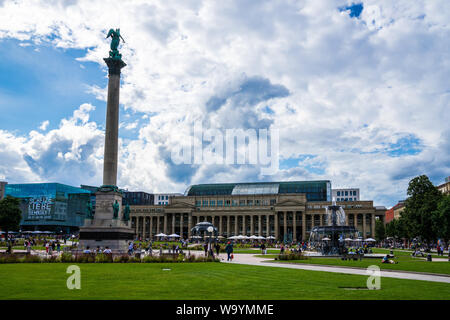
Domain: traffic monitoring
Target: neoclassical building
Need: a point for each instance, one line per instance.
(285, 210)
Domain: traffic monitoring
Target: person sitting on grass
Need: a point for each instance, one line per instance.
(386, 260)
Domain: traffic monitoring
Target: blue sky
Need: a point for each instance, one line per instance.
(358, 90)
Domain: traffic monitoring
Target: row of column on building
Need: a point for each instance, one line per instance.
(298, 224)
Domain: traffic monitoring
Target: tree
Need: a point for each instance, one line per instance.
(10, 214)
(422, 202)
(441, 219)
(380, 232)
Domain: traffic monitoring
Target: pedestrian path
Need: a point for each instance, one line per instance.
(249, 259)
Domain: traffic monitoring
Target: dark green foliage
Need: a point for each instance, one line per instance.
(380, 232)
(441, 219)
(419, 207)
(291, 256)
(10, 214)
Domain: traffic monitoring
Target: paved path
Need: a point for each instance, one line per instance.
(249, 259)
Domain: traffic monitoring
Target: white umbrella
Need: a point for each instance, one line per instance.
(253, 237)
(161, 235)
(325, 238)
(240, 237)
(348, 239)
(370, 239)
(173, 235)
(270, 237)
(260, 237)
(232, 237)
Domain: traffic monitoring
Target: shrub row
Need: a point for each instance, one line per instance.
(291, 256)
(102, 258)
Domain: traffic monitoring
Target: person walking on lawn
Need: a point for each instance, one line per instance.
(229, 250)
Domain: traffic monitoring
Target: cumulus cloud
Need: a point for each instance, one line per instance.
(44, 125)
(366, 96)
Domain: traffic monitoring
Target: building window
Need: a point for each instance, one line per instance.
(346, 193)
(241, 203)
(234, 203)
(220, 203)
(212, 203)
(205, 203)
(197, 203)
(339, 193)
(250, 202)
(272, 202)
(227, 203)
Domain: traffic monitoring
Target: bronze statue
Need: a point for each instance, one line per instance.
(89, 211)
(126, 213)
(115, 36)
(116, 208)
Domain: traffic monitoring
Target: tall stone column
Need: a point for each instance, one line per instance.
(158, 222)
(228, 226)
(181, 225)
(303, 226)
(285, 224)
(189, 224)
(107, 228)
(294, 225)
(364, 226)
(277, 229)
(112, 122)
(150, 235)
(260, 230)
(373, 226)
(144, 226)
(173, 223)
(268, 226)
(252, 229)
(244, 227)
(236, 225)
(220, 226)
(165, 224)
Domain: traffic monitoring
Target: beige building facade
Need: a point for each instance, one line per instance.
(284, 216)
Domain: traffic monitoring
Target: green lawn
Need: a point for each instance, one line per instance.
(200, 281)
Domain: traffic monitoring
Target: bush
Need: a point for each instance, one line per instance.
(51, 259)
(122, 258)
(291, 256)
(67, 257)
(103, 258)
(9, 258)
(29, 258)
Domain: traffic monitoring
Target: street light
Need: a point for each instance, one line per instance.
(210, 229)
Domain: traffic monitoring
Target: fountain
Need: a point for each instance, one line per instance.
(330, 239)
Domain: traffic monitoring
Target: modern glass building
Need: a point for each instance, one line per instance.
(314, 190)
(50, 206)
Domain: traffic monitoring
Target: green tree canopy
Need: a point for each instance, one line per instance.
(10, 214)
(380, 232)
(419, 207)
(441, 219)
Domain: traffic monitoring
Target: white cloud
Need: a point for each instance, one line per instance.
(358, 87)
(44, 125)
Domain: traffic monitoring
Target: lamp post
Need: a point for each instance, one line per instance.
(210, 229)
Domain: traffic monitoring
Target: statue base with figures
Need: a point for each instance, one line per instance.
(107, 228)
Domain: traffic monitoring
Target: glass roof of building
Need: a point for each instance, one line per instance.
(255, 188)
(314, 190)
